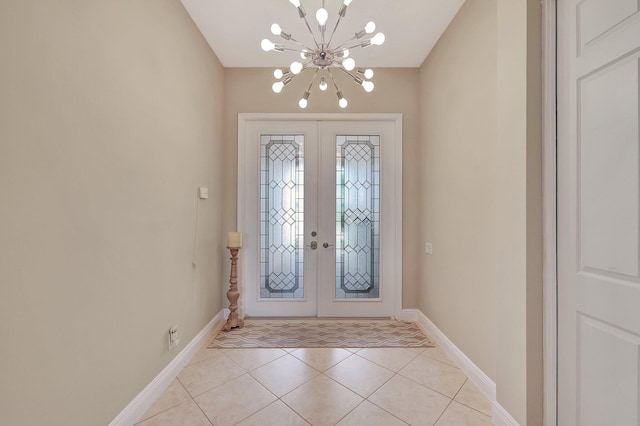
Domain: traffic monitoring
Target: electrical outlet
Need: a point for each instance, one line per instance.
(203, 192)
(173, 337)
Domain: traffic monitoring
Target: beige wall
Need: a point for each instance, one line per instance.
(249, 90)
(113, 113)
(458, 141)
(481, 149)
(519, 212)
(110, 118)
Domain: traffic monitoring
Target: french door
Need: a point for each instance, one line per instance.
(319, 214)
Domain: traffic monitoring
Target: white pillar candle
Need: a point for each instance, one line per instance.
(234, 239)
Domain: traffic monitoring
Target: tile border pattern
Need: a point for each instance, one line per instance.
(318, 333)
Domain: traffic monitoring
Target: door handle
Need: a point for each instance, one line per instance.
(327, 245)
(313, 245)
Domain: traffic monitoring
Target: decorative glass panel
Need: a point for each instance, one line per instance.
(281, 216)
(357, 217)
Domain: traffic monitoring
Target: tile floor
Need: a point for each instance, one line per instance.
(320, 387)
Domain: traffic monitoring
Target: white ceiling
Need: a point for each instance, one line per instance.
(234, 28)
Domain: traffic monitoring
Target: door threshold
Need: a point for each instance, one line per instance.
(323, 318)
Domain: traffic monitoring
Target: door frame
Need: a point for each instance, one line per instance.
(242, 219)
(549, 213)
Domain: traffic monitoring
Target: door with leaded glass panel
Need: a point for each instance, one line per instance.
(319, 238)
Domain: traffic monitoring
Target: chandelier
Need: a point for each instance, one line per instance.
(322, 57)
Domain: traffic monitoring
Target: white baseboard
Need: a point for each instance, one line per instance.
(501, 417)
(141, 403)
(407, 315)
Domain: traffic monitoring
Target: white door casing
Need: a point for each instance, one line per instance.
(320, 212)
(598, 212)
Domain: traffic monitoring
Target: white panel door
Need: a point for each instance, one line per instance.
(318, 238)
(598, 212)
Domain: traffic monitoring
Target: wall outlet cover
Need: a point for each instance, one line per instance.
(203, 193)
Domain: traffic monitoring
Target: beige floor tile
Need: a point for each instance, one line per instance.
(203, 354)
(186, 413)
(434, 374)
(208, 374)
(235, 401)
(472, 397)
(392, 358)
(276, 414)
(322, 401)
(459, 415)
(360, 375)
(354, 350)
(175, 394)
(370, 415)
(410, 401)
(250, 359)
(439, 355)
(284, 374)
(321, 358)
(417, 351)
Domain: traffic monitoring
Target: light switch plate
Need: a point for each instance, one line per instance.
(203, 192)
(428, 248)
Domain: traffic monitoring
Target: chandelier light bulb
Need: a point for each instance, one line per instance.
(349, 64)
(278, 86)
(378, 39)
(275, 29)
(304, 101)
(322, 15)
(267, 45)
(296, 67)
(368, 86)
(369, 28)
(325, 56)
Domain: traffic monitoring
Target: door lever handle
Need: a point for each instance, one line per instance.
(313, 245)
(327, 245)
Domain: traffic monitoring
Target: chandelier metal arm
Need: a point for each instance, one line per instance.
(289, 37)
(306, 21)
(345, 43)
(336, 27)
(304, 47)
(355, 77)
(313, 79)
(357, 36)
(323, 57)
(289, 49)
(365, 43)
(333, 80)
